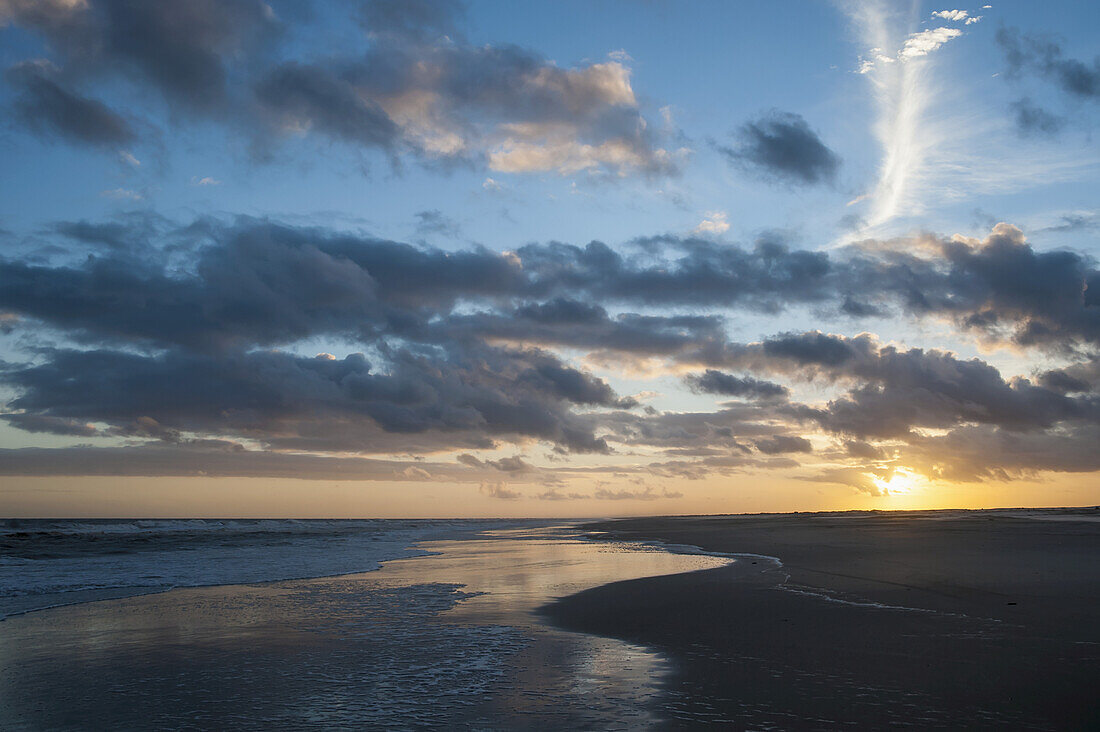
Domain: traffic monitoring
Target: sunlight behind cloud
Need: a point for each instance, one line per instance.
(901, 482)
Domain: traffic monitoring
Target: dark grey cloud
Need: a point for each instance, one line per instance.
(569, 323)
(766, 277)
(864, 450)
(52, 425)
(207, 458)
(302, 96)
(779, 444)
(1000, 286)
(781, 146)
(1082, 376)
(897, 390)
(271, 396)
(1044, 56)
(982, 452)
(1074, 222)
(182, 49)
(255, 282)
(514, 464)
(46, 106)
(717, 382)
(260, 283)
(1032, 119)
(723, 432)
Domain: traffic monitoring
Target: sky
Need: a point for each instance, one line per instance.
(416, 258)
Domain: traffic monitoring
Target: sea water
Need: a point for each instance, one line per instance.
(445, 636)
(46, 562)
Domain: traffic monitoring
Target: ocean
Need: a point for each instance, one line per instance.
(48, 562)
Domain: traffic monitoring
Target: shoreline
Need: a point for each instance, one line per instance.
(879, 618)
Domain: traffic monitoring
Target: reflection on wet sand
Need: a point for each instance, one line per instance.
(445, 639)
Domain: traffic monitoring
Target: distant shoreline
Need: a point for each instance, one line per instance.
(572, 520)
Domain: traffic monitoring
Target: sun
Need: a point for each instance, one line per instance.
(901, 483)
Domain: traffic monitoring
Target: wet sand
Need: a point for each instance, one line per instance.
(922, 619)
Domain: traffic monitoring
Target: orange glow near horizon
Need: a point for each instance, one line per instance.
(176, 497)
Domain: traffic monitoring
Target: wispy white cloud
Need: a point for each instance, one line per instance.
(936, 145)
(204, 181)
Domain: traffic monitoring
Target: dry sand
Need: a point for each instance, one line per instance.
(926, 619)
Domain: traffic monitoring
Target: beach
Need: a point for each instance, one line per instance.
(947, 619)
(922, 619)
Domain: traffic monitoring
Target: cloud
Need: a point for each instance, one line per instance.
(779, 444)
(1076, 221)
(606, 494)
(211, 458)
(305, 98)
(1042, 56)
(260, 283)
(316, 403)
(498, 490)
(205, 180)
(51, 425)
(514, 464)
(716, 382)
(182, 50)
(959, 16)
(434, 222)
(256, 282)
(503, 107)
(935, 146)
(47, 107)
(714, 223)
(781, 146)
(121, 194)
(553, 494)
(1032, 119)
(457, 344)
(419, 88)
(894, 391)
(926, 41)
(956, 15)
